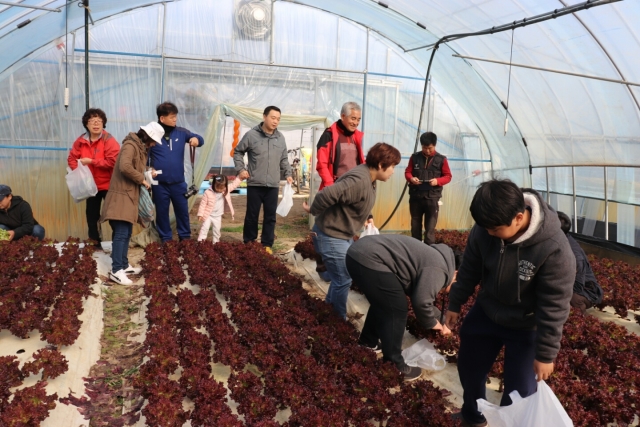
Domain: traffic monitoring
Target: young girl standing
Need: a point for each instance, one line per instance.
(212, 206)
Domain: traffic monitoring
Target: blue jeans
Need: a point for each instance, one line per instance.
(334, 252)
(38, 231)
(120, 245)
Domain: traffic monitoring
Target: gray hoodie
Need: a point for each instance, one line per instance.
(422, 269)
(525, 285)
(267, 157)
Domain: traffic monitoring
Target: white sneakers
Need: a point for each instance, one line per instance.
(133, 270)
(120, 277)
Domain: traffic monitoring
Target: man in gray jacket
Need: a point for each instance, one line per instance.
(389, 267)
(267, 152)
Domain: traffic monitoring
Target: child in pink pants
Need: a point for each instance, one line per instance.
(212, 206)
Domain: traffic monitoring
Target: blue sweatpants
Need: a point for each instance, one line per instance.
(480, 342)
(162, 195)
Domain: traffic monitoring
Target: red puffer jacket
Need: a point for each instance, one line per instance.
(103, 153)
(327, 156)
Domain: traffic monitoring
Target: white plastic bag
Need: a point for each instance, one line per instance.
(81, 183)
(369, 230)
(287, 201)
(424, 355)
(541, 409)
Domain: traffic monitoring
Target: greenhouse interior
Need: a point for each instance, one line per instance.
(544, 93)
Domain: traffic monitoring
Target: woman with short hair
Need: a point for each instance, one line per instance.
(341, 209)
(98, 150)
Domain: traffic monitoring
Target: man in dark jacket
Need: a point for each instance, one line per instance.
(390, 267)
(427, 172)
(168, 157)
(16, 216)
(266, 149)
(586, 290)
(525, 264)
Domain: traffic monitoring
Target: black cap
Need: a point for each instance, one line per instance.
(5, 190)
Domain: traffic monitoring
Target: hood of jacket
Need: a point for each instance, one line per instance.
(449, 259)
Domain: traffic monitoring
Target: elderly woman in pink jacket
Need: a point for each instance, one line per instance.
(212, 206)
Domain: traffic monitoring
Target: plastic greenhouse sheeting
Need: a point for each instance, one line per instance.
(318, 55)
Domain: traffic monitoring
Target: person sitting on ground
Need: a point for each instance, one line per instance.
(121, 204)
(525, 268)
(168, 157)
(98, 150)
(586, 290)
(389, 267)
(16, 216)
(211, 206)
(341, 209)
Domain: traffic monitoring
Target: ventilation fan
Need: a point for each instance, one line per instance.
(253, 18)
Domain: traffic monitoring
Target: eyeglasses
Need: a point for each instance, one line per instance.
(95, 122)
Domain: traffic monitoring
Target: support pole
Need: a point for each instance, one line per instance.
(164, 31)
(575, 200)
(86, 53)
(272, 58)
(546, 171)
(606, 204)
(364, 89)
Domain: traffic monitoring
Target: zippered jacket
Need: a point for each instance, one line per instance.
(524, 285)
(342, 208)
(169, 157)
(208, 202)
(103, 154)
(329, 152)
(18, 217)
(267, 157)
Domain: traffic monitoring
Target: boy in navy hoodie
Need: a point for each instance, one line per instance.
(169, 158)
(525, 267)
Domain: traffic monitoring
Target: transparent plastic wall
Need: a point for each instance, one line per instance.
(319, 62)
(621, 194)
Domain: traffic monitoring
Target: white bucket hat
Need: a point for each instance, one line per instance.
(155, 131)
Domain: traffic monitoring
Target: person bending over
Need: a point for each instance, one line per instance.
(389, 267)
(526, 266)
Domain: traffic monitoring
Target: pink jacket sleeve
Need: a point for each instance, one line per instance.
(204, 202)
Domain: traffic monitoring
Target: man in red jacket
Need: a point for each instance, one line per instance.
(339, 150)
(426, 173)
(340, 146)
(98, 150)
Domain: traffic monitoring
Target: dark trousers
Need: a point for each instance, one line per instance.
(267, 198)
(387, 316)
(481, 340)
(93, 214)
(164, 194)
(419, 208)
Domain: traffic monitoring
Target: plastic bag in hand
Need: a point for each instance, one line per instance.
(287, 201)
(369, 230)
(81, 183)
(424, 355)
(541, 409)
(145, 207)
